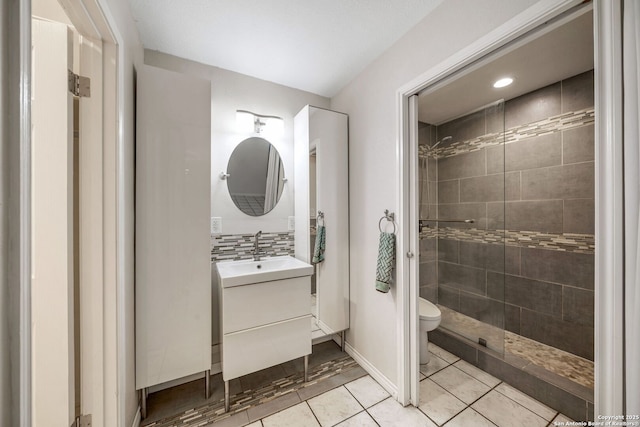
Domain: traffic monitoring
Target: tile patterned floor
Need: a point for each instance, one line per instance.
(453, 393)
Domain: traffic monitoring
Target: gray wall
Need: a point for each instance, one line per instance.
(545, 201)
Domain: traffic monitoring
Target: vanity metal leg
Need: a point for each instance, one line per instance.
(306, 368)
(343, 334)
(207, 384)
(226, 396)
(143, 410)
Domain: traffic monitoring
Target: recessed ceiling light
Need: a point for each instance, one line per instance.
(503, 82)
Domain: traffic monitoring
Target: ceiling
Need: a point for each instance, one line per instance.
(316, 46)
(559, 50)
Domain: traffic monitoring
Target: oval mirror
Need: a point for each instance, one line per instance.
(256, 175)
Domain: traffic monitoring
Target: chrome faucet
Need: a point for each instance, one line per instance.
(256, 250)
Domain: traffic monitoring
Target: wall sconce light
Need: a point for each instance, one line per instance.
(249, 122)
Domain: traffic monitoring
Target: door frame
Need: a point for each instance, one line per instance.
(104, 392)
(609, 234)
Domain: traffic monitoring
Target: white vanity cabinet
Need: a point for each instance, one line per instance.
(263, 323)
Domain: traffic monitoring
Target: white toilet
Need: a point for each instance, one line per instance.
(429, 320)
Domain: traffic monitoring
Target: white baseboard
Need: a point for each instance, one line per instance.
(137, 419)
(385, 382)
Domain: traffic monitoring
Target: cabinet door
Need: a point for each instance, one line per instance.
(329, 131)
(173, 281)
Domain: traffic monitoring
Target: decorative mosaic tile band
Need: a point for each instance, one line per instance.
(550, 125)
(214, 411)
(240, 246)
(566, 242)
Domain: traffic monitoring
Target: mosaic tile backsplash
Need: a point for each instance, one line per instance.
(240, 246)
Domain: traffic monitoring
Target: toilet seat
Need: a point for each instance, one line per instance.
(428, 311)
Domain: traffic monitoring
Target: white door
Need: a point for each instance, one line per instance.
(53, 376)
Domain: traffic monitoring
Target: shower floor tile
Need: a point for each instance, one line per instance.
(559, 362)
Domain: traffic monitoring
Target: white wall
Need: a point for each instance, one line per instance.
(230, 92)
(370, 102)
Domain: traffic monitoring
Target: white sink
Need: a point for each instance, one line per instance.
(237, 273)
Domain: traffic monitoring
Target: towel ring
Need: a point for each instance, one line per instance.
(320, 218)
(389, 216)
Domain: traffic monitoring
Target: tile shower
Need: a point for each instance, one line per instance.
(521, 277)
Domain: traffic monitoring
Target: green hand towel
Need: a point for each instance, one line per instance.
(386, 261)
(318, 250)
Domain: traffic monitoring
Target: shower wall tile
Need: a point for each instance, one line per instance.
(577, 305)
(433, 169)
(571, 337)
(512, 318)
(428, 273)
(484, 309)
(449, 297)
(495, 159)
(449, 191)
(559, 182)
(579, 216)
(573, 243)
(533, 106)
(462, 166)
(536, 250)
(567, 268)
(448, 250)
(494, 118)
(490, 256)
(531, 153)
(426, 133)
(464, 128)
(462, 277)
(428, 249)
(578, 144)
(512, 183)
(544, 216)
(542, 297)
(475, 211)
(577, 92)
(429, 293)
(489, 188)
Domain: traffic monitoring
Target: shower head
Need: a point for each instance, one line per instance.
(446, 138)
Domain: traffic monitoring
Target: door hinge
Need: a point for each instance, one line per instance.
(82, 421)
(79, 85)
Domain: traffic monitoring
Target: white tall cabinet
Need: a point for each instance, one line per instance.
(326, 132)
(173, 276)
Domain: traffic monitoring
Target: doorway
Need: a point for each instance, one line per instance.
(73, 131)
(440, 80)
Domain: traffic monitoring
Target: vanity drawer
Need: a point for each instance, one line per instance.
(258, 304)
(259, 348)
